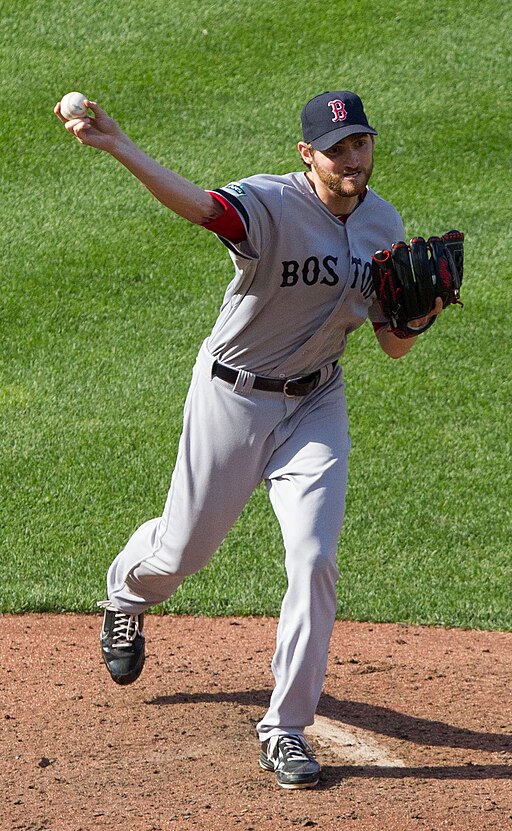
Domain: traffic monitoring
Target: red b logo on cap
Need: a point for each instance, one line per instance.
(338, 110)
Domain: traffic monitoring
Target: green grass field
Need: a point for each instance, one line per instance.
(105, 296)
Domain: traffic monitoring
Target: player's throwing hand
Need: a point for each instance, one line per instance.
(100, 131)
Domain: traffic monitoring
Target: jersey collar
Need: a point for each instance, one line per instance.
(343, 217)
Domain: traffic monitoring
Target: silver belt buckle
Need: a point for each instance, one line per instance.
(298, 381)
(285, 388)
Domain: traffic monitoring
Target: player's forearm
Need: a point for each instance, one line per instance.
(393, 346)
(172, 190)
(397, 347)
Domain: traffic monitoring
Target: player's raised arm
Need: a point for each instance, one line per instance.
(172, 190)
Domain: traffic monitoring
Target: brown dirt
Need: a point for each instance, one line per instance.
(177, 750)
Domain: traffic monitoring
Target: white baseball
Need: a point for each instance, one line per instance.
(72, 106)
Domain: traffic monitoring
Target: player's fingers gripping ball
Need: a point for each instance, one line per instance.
(408, 278)
(72, 105)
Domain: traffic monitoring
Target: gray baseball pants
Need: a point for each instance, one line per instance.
(233, 438)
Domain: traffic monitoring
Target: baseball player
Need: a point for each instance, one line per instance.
(266, 400)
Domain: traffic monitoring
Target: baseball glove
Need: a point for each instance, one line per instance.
(408, 278)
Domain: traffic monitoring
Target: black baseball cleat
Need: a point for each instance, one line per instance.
(292, 759)
(122, 643)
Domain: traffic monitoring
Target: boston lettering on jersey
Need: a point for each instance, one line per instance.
(310, 272)
(313, 271)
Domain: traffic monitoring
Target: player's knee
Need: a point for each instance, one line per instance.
(324, 563)
(316, 559)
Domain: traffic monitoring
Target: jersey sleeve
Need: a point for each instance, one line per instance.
(228, 224)
(257, 202)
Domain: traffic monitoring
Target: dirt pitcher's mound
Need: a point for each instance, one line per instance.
(413, 730)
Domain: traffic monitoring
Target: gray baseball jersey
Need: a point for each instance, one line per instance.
(302, 278)
(301, 285)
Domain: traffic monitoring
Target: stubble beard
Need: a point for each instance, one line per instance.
(340, 185)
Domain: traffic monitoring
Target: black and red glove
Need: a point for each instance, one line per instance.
(408, 278)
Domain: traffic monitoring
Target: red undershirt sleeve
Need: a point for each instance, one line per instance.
(228, 224)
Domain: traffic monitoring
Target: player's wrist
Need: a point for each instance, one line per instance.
(401, 335)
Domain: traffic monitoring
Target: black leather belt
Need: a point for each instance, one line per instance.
(290, 387)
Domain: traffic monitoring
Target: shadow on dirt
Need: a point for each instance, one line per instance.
(398, 725)
(380, 720)
(332, 775)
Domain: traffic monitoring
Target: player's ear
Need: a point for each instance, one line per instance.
(306, 151)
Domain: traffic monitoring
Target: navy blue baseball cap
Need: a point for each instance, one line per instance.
(332, 116)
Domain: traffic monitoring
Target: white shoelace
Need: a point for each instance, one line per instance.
(126, 627)
(295, 748)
